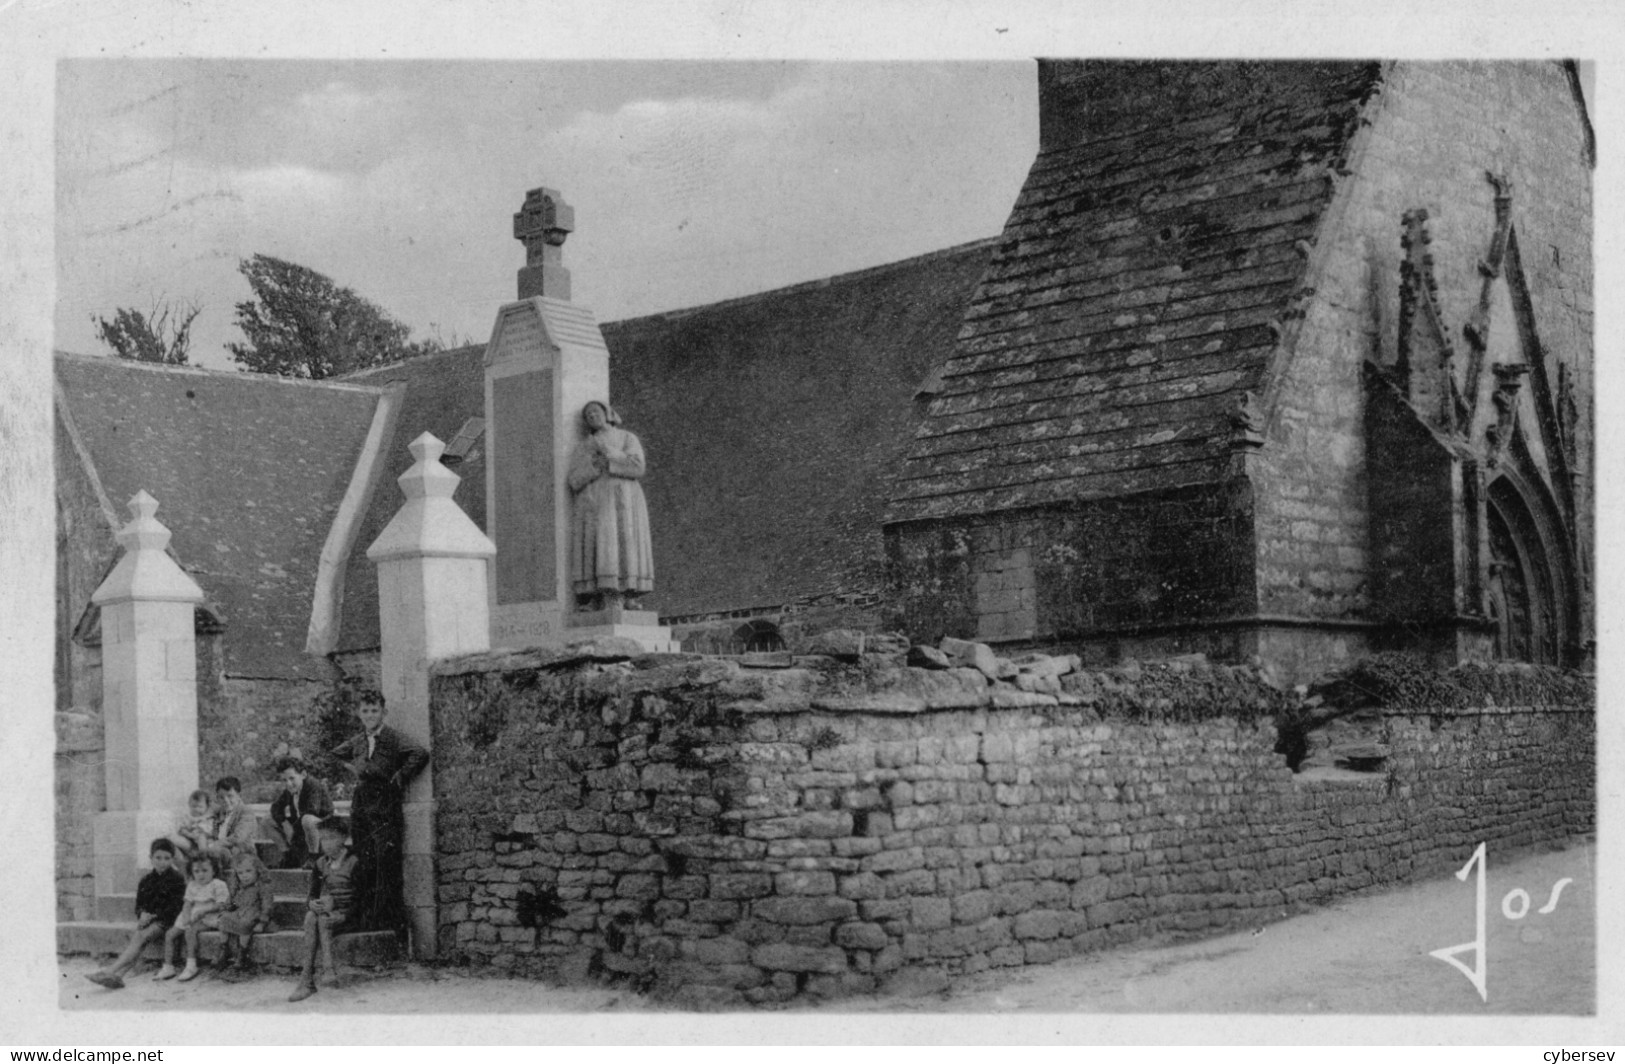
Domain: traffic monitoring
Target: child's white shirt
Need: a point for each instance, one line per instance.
(214, 890)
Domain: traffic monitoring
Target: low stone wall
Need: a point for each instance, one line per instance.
(726, 834)
(81, 793)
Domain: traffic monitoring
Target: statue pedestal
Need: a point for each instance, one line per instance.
(643, 626)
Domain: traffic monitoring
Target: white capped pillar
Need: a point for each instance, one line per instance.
(433, 602)
(149, 697)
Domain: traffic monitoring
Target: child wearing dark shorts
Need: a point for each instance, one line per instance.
(158, 900)
(331, 896)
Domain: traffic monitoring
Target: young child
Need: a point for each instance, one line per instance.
(248, 913)
(158, 900)
(331, 894)
(206, 895)
(191, 836)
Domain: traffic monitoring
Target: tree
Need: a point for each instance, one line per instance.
(155, 336)
(301, 324)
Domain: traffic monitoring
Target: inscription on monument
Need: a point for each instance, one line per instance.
(519, 633)
(526, 561)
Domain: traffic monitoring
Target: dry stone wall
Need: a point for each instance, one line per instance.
(80, 793)
(728, 835)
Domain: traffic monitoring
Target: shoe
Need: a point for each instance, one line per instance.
(107, 979)
(237, 974)
(190, 973)
(166, 972)
(302, 991)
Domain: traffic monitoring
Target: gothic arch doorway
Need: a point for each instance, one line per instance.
(1527, 594)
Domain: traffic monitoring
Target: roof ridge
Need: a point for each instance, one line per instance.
(1333, 95)
(201, 371)
(822, 282)
(414, 360)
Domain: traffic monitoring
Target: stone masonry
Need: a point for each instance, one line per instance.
(729, 835)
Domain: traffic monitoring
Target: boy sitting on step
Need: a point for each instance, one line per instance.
(158, 900)
(248, 913)
(331, 894)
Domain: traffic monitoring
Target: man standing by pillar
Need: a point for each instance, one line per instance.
(384, 762)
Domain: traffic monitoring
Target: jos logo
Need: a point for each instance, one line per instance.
(1514, 906)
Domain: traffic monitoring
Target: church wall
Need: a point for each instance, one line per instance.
(1435, 129)
(723, 835)
(85, 551)
(797, 623)
(1127, 570)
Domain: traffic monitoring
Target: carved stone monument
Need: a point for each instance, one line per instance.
(545, 362)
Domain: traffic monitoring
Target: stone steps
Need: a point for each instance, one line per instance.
(284, 949)
(290, 888)
(287, 910)
(109, 931)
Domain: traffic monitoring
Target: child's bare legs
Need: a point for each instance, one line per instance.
(312, 943)
(190, 971)
(173, 935)
(241, 964)
(228, 946)
(110, 975)
(313, 839)
(325, 924)
(139, 940)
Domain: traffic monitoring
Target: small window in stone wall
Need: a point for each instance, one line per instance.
(757, 636)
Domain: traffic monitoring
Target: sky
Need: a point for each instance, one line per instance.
(691, 181)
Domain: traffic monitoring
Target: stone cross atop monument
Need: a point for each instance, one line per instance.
(542, 224)
(545, 362)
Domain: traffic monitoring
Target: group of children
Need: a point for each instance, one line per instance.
(208, 876)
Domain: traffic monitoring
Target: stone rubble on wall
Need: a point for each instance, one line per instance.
(726, 835)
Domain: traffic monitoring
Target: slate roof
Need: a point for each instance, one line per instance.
(773, 422)
(248, 471)
(1129, 302)
(442, 391)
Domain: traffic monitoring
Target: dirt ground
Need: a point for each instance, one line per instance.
(1362, 955)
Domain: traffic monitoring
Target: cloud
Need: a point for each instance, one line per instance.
(848, 165)
(399, 180)
(301, 183)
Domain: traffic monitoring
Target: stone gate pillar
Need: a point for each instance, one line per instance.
(433, 602)
(149, 697)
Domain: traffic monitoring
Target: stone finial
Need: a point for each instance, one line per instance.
(144, 532)
(1247, 422)
(1502, 184)
(146, 572)
(542, 224)
(430, 524)
(427, 477)
(1509, 379)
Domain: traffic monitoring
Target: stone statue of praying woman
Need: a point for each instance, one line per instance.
(610, 559)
